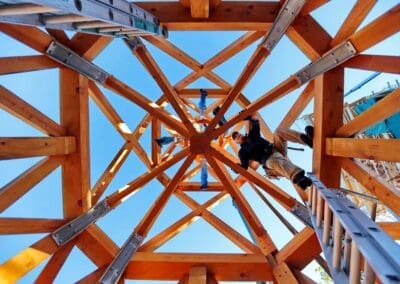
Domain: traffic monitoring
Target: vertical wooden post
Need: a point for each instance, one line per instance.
(198, 275)
(328, 117)
(74, 114)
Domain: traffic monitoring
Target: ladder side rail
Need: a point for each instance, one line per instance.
(377, 248)
(125, 15)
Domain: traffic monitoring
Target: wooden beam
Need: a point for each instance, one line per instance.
(31, 36)
(391, 228)
(198, 275)
(155, 71)
(53, 266)
(98, 97)
(125, 91)
(184, 58)
(229, 15)
(254, 63)
(384, 26)
(155, 134)
(380, 63)
(372, 149)
(264, 241)
(373, 183)
(353, 20)
(74, 112)
(16, 188)
(328, 117)
(24, 147)
(301, 250)
(89, 45)
(199, 8)
(174, 229)
(283, 274)
(29, 225)
(109, 173)
(151, 216)
(18, 64)
(172, 266)
(117, 197)
(220, 225)
(279, 91)
(195, 186)
(29, 114)
(97, 246)
(279, 195)
(228, 52)
(383, 109)
(302, 101)
(309, 36)
(19, 265)
(312, 5)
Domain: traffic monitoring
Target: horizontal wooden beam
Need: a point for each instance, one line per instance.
(372, 149)
(173, 266)
(17, 64)
(195, 186)
(228, 15)
(29, 225)
(24, 147)
(380, 63)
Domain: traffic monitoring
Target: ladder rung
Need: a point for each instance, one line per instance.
(94, 25)
(69, 18)
(24, 9)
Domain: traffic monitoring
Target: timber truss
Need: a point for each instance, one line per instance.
(66, 144)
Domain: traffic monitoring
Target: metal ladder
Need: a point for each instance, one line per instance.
(356, 249)
(116, 18)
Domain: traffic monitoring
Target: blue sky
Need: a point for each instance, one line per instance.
(41, 90)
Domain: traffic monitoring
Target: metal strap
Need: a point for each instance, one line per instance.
(76, 226)
(69, 58)
(326, 62)
(286, 16)
(118, 265)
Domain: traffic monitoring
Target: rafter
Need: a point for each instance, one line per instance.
(221, 226)
(384, 108)
(263, 239)
(28, 114)
(353, 20)
(16, 188)
(373, 149)
(372, 182)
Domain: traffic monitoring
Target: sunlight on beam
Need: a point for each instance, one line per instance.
(118, 161)
(17, 266)
(124, 128)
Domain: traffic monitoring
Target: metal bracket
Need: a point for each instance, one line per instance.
(118, 265)
(133, 42)
(69, 58)
(76, 226)
(285, 17)
(301, 212)
(326, 62)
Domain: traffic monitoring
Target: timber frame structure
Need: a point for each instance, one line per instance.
(66, 144)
